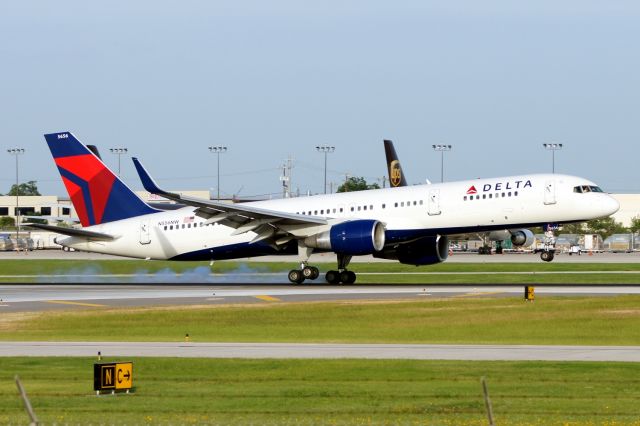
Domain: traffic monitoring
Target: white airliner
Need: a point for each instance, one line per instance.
(409, 224)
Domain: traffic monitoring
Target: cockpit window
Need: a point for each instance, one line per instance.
(587, 188)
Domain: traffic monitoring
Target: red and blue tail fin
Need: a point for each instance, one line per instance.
(97, 194)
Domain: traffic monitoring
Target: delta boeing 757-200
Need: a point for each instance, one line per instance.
(408, 224)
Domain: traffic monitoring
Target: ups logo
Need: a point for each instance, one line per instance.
(395, 173)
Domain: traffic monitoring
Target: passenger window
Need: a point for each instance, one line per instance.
(420, 202)
(341, 209)
(165, 228)
(402, 204)
(384, 206)
(322, 211)
(396, 204)
(484, 196)
(359, 208)
(464, 198)
(365, 207)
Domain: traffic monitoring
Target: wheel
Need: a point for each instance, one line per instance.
(344, 277)
(351, 277)
(332, 277)
(307, 273)
(316, 273)
(295, 276)
(547, 256)
(310, 273)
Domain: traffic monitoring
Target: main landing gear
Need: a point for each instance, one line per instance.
(297, 276)
(341, 276)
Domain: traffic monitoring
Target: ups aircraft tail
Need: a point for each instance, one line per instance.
(97, 194)
(396, 177)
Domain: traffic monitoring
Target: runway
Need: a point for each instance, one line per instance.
(47, 297)
(325, 351)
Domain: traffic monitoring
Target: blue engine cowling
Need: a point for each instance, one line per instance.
(424, 251)
(354, 238)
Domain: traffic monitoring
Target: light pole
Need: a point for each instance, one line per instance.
(119, 152)
(17, 152)
(553, 147)
(326, 149)
(442, 149)
(218, 150)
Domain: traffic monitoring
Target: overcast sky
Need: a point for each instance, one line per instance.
(269, 79)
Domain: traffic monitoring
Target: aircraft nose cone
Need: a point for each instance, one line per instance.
(611, 205)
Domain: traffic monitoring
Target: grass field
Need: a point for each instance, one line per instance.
(25, 270)
(548, 320)
(351, 392)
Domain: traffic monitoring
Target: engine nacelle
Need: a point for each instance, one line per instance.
(425, 251)
(501, 235)
(522, 237)
(355, 238)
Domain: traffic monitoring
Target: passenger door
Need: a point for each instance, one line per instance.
(550, 192)
(145, 232)
(434, 202)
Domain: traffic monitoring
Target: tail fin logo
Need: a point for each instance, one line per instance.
(95, 191)
(89, 185)
(395, 173)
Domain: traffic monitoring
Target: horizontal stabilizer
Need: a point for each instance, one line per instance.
(73, 232)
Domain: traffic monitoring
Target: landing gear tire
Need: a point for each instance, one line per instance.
(296, 276)
(347, 277)
(332, 277)
(547, 256)
(310, 273)
(352, 277)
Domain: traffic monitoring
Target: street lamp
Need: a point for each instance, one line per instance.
(442, 149)
(326, 149)
(218, 150)
(553, 147)
(17, 152)
(119, 152)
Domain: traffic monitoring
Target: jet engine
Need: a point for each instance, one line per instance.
(424, 251)
(354, 238)
(522, 237)
(518, 237)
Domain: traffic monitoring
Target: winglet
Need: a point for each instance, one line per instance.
(147, 181)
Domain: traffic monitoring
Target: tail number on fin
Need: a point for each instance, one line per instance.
(63, 136)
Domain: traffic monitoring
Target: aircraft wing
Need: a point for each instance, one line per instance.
(241, 217)
(73, 232)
